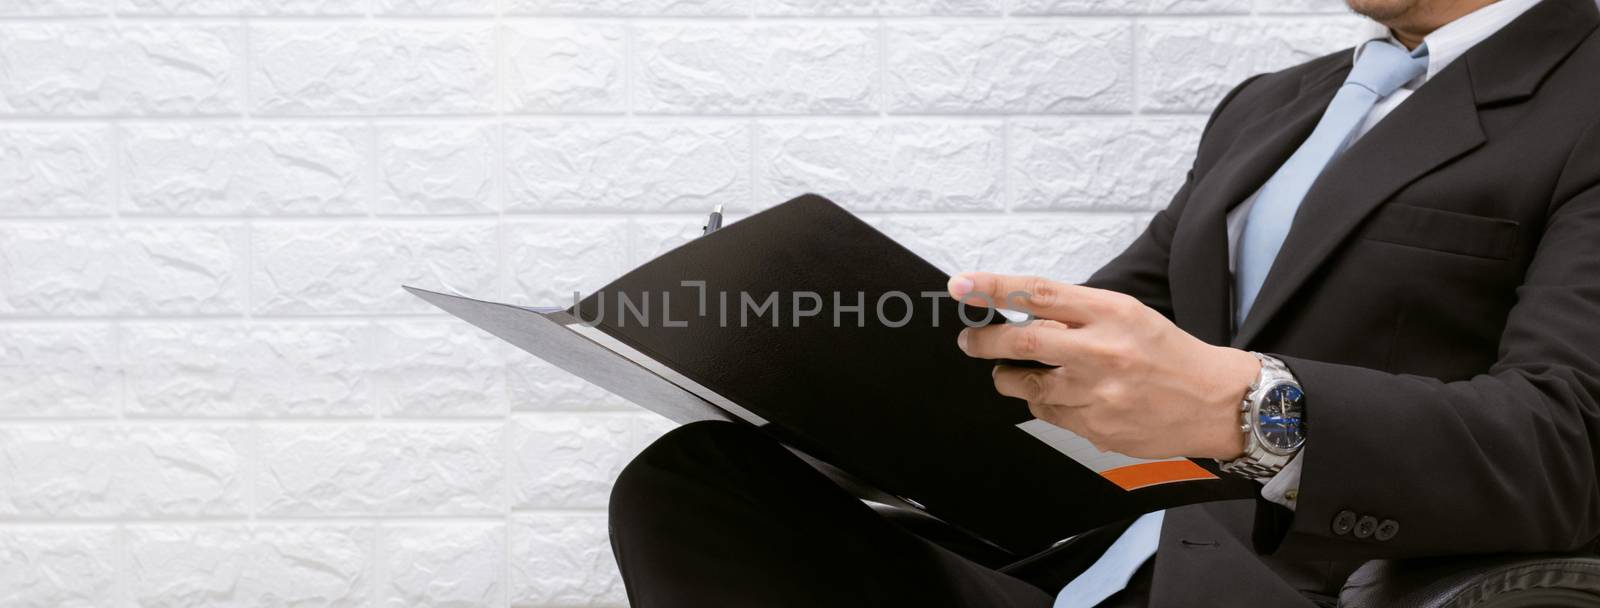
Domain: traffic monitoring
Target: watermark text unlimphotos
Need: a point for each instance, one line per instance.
(793, 308)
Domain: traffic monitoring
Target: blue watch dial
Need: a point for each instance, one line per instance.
(1280, 421)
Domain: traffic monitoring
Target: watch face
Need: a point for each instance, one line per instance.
(1279, 420)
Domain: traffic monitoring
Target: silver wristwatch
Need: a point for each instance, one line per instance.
(1272, 418)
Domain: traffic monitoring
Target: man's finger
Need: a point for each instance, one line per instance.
(1042, 341)
(1036, 386)
(1064, 416)
(1033, 295)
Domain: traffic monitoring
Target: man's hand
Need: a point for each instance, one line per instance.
(1127, 379)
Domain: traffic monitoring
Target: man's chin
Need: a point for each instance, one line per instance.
(1382, 11)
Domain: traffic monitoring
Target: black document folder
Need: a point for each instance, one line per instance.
(863, 374)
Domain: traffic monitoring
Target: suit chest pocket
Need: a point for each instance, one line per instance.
(1439, 230)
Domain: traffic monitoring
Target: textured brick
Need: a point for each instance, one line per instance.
(433, 7)
(57, 567)
(75, 69)
(893, 8)
(44, 8)
(627, 7)
(58, 471)
(55, 170)
(563, 560)
(1100, 164)
(550, 259)
(69, 269)
(57, 371)
(238, 7)
(816, 7)
(627, 166)
(360, 69)
(438, 369)
(564, 461)
(442, 565)
(231, 565)
(976, 8)
(785, 68)
(101, 471)
(189, 565)
(571, 66)
(883, 166)
(389, 469)
(232, 169)
(1054, 67)
(1060, 246)
(359, 268)
(238, 369)
(1188, 65)
(339, 369)
(1075, 7)
(439, 169)
(1303, 6)
(182, 470)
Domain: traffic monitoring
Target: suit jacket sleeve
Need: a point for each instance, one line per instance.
(1141, 269)
(1504, 461)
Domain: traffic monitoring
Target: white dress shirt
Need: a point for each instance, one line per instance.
(1445, 45)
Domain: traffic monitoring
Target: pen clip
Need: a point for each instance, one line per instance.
(714, 222)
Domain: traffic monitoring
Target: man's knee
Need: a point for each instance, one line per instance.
(697, 437)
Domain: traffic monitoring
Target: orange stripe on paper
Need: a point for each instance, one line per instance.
(1146, 474)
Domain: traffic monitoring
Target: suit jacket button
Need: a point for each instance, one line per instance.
(1387, 529)
(1343, 522)
(1365, 526)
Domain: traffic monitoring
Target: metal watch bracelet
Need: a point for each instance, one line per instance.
(1258, 462)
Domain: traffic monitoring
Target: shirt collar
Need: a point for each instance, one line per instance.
(1450, 42)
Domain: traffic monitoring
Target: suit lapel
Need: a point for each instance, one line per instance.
(1202, 298)
(1436, 125)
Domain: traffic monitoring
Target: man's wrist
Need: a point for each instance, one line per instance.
(1237, 371)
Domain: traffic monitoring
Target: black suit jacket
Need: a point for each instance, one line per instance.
(1439, 299)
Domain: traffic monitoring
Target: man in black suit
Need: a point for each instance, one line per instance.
(1390, 256)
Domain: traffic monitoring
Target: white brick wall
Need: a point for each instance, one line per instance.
(212, 390)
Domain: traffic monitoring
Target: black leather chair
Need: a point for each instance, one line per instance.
(1493, 581)
(1504, 581)
(1489, 581)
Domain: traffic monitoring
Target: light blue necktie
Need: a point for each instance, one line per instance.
(1380, 71)
(1116, 567)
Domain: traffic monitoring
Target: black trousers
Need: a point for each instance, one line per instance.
(718, 514)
